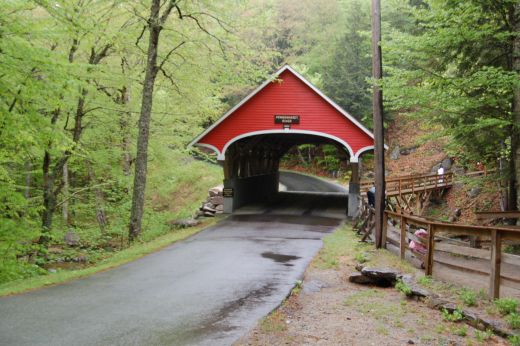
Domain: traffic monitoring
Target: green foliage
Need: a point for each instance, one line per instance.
(513, 319)
(482, 336)
(403, 288)
(426, 281)
(506, 305)
(460, 331)
(453, 70)
(468, 297)
(514, 340)
(455, 316)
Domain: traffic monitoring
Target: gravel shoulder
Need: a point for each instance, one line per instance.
(329, 310)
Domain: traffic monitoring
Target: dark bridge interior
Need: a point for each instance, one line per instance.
(251, 171)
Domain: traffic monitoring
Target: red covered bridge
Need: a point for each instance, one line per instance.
(284, 111)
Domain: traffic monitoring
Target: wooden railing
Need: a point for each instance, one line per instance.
(497, 215)
(433, 228)
(412, 183)
(406, 184)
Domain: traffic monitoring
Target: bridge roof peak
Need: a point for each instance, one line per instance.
(287, 103)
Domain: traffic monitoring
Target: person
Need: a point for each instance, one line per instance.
(417, 246)
(371, 195)
(440, 173)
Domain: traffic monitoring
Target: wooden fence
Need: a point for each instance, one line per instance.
(407, 223)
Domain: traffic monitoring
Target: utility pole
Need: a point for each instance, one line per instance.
(377, 103)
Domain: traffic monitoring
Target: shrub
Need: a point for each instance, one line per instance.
(455, 316)
(483, 336)
(506, 305)
(513, 319)
(403, 288)
(468, 297)
(514, 340)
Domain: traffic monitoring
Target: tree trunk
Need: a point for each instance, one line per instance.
(28, 179)
(99, 199)
(141, 160)
(124, 123)
(515, 138)
(65, 204)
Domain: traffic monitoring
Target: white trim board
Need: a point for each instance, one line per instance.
(222, 155)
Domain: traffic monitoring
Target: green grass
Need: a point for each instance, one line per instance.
(127, 255)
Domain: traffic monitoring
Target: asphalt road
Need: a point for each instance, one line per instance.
(207, 290)
(300, 182)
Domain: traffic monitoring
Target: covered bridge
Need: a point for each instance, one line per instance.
(286, 110)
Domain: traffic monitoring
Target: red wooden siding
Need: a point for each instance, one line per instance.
(288, 96)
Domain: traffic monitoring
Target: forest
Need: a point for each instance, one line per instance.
(99, 99)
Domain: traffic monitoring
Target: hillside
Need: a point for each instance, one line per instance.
(414, 149)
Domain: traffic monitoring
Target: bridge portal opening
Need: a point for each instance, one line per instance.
(285, 111)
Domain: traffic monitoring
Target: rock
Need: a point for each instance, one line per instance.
(417, 291)
(359, 267)
(394, 155)
(208, 214)
(52, 270)
(474, 192)
(410, 342)
(216, 200)
(71, 238)
(381, 273)
(457, 170)
(455, 214)
(359, 278)
(408, 151)
(185, 223)
(314, 286)
(219, 208)
(436, 168)
(370, 175)
(216, 191)
(447, 163)
(208, 208)
(435, 302)
(80, 259)
(198, 214)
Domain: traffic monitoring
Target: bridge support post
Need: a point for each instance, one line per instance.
(353, 191)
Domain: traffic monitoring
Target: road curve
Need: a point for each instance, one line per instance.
(301, 182)
(207, 290)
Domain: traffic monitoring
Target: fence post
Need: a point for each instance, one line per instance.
(496, 256)
(402, 243)
(431, 249)
(385, 228)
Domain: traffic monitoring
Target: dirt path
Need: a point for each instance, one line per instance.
(329, 310)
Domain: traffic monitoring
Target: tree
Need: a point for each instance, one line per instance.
(345, 77)
(458, 71)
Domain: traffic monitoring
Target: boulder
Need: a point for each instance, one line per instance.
(207, 207)
(216, 200)
(417, 291)
(394, 155)
(185, 223)
(447, 163)
(209, 214)
(359, 278)
(408, 151)
(219, 208)
(216, 191)
(474, 192)
(71, 238)
(381, 273)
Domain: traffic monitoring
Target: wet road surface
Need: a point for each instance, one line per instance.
(301, 182)
(207, 290)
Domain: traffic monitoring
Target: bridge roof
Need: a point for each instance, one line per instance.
(287, 93)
